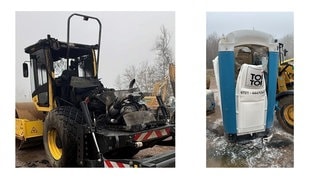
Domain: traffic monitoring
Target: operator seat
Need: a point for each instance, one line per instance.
(64, 83)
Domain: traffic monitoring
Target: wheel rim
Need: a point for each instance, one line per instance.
(54, 144)
(288, 114)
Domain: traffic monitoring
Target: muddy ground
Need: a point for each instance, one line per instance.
(279, 152)
(35, 156)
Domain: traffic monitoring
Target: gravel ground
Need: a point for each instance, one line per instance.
(35, 156)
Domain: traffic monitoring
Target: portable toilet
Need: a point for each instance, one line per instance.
(246, 75)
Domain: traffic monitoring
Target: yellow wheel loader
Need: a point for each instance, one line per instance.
(285, 92)
(79, 121)
(156, 102)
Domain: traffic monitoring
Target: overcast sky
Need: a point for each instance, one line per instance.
(277, 24)
(127, 39)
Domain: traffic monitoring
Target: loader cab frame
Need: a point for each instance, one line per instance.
(53, 61)
(51, 67)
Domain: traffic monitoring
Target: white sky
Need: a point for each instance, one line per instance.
(278, 24)
(190, 37)
(127, 39)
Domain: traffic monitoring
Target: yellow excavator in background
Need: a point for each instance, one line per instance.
(285, 91)
(286, 75)
(160, 95)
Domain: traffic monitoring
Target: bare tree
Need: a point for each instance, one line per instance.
(144, 74)
(129, 74)
(289, 45)
(164, 53)
(147, 74)
(212, 49)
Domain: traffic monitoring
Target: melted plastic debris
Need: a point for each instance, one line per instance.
(252, 153)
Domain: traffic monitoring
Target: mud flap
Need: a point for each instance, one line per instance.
(138, 120)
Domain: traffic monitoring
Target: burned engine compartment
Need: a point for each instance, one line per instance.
(110, 108)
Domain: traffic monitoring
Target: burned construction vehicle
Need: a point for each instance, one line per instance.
(86, 124)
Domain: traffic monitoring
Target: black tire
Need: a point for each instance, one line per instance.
(59, 136)
(285, 113)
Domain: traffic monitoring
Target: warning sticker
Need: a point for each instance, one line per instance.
(34, 130)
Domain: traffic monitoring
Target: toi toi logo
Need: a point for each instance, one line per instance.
(256, 79)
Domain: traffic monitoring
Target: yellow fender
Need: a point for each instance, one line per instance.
(26, 129)
(29, 124)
